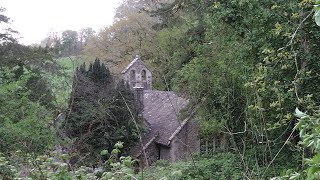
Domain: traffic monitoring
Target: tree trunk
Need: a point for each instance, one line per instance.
(214, 144)
(207, 144)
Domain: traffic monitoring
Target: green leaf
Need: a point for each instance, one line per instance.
(118, 145)
(115, 151)
(104, 152)
(317, 15)
(299, 114)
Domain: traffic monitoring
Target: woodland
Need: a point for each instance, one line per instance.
(249, 68)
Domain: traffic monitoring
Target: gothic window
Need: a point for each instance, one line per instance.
(132, 75)
(143, 75)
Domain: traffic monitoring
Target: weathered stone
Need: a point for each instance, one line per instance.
(136, 74)
(167, 137)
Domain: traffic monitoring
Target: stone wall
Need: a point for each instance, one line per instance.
(186, 142)
(193, 137)
(138, 75)
(152, 153)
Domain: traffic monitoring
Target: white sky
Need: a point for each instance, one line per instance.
(34, 19)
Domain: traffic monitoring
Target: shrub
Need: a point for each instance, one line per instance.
(7, 171)
(54, 166)
(218, 166)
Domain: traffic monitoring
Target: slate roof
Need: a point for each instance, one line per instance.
(161, 109)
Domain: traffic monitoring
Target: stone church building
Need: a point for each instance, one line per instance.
(168, 137)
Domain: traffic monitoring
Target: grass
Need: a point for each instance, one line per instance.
(69, 64)
(61, 82)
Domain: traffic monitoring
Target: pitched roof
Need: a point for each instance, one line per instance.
(135, 60)
(161, 109)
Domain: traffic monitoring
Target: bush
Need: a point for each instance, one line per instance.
(7, 171)
(24, 124)
(57, 166)
(218, 166)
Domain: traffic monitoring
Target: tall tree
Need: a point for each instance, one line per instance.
(98, 114)
(84, 36)
(69, 42)
(6, 33)
(25, 98)
(131, 33)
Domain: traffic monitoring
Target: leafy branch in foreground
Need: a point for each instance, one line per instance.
(309, 132)
(7, 171)
(317, 12)
(54, 166)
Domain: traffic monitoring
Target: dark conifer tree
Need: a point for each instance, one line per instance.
(99, 113)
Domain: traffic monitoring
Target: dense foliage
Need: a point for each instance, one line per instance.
(245, 65)
(249, 64)
(218, 166)
(58, 167)
(67, 43)
(27, 103)
(100, 113)
(23, 123)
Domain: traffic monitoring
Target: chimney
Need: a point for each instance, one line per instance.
(138, 96)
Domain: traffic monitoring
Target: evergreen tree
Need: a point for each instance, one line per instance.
(100, 112)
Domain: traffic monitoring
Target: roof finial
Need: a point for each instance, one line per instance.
(137, 56)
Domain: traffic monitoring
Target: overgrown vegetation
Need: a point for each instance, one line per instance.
(58, 167)
(246, 65)
(101, 112)
(217, 166)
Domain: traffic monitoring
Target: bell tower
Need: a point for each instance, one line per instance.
(137, 75)
(139, 78)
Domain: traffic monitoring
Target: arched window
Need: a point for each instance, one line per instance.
(132, 75)
(143, 75)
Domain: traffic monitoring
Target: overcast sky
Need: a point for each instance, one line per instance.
(34, 19)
